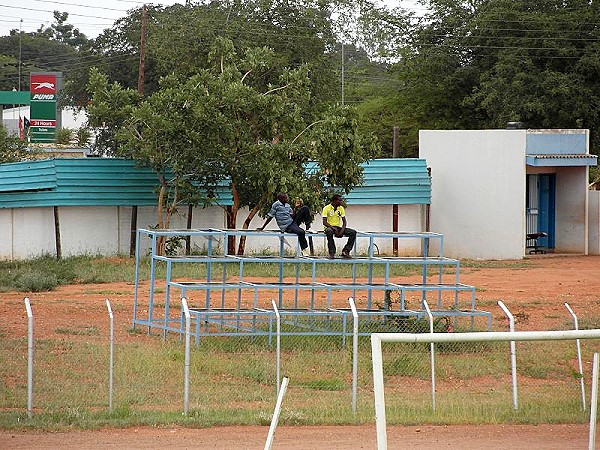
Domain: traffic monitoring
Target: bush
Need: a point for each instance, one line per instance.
(63, 136)
(36, 281)
(83, 136)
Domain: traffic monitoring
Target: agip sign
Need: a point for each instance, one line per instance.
(43, 89)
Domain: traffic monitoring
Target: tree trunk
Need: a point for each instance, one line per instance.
(245, 226)
(232, 218)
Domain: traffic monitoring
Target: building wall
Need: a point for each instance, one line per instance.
(571, 210)
(106, 230)
(26, 232)
(478, 191)
(594, 223)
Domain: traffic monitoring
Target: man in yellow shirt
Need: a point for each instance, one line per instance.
(334, 221)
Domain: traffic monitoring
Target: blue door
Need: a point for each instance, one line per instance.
(547, 196)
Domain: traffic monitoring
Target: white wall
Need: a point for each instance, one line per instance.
(26, 232)
(571, 210)
(359, 217)
(29, 232)
(594, 223)
(478, 191)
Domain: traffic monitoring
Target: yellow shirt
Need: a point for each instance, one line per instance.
(334, 215)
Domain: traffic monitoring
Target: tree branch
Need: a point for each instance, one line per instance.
(306, 129)
(276, 89)
(245, 75)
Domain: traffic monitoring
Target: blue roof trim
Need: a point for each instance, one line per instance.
(118, 182)
(561, 160)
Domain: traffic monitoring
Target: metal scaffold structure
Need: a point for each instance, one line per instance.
(223, 300)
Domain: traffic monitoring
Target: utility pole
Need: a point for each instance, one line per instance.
(395, 154)
(343, 74)
(140, 86)
(19, 69)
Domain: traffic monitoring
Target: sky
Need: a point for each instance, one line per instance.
(91, 17)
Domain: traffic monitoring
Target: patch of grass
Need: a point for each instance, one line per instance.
(79, 331)
(588, 323)
(493, 264)
(325, 385)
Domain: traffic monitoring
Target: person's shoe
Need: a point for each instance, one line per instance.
(331, 256)
(346, 255)
(305, 252)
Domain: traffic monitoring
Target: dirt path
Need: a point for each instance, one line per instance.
(535, 291)
(489, 437)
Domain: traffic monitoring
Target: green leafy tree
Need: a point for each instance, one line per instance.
(479, 64)
(224, 124)
(61, 31)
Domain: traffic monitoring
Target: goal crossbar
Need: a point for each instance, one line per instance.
(496, 336)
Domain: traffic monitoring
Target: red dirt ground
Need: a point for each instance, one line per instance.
(535, 291)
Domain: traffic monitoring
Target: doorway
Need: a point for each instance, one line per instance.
(540, 216)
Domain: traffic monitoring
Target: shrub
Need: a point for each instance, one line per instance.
(36, 281)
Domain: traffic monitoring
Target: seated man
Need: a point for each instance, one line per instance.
(334, 221)
(302, 213)
(282, 212)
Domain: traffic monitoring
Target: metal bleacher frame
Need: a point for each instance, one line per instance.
(226, 319)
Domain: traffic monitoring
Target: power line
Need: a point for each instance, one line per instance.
(80, 5)
(48, 11)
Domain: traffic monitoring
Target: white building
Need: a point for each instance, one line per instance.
(491, 188)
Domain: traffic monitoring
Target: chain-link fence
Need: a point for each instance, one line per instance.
(233, 379)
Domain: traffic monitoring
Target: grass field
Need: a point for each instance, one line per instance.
(233, 379)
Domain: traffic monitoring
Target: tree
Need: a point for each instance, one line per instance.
(479, 64)
(224, 125)
(12, 149)
(61, 31)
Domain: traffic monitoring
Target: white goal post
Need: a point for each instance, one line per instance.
(378, 338)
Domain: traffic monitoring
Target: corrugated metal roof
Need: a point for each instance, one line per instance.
(118, 182)
(400, 181)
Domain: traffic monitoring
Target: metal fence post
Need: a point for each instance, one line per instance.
(432, 351)
(513, 353)
(579, 363)
(594, 403)
(186, 371)
(111, 357)
(354, 353)
(278, 346)
(29, 358)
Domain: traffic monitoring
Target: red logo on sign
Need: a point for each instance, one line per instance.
(42, 84)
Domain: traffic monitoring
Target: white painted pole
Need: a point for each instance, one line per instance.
(29, 358)
(594, 403)
(513, 353)
(580, 365)
(277, 346)
(354, 353)
(186, 372)
(490, 336)
(111, 357)
(275, 418)
(380, 420)
(432, 351)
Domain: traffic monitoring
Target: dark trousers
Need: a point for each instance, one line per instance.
(348, 232)
(293, 228)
